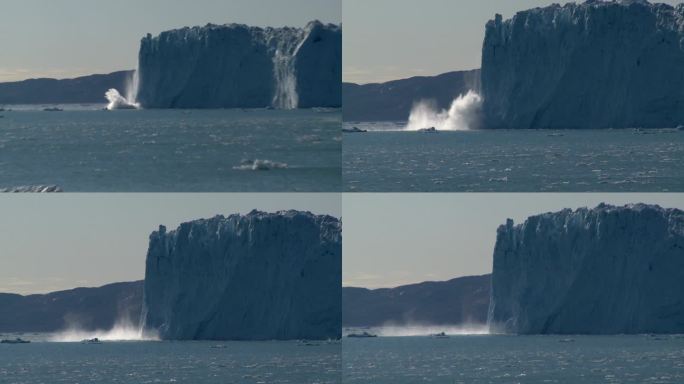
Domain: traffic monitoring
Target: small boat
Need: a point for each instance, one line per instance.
(354, 130)
(18, 340)
(361, 335)
(53, 109)
(440, 335)
(94, 340)
(428, 130)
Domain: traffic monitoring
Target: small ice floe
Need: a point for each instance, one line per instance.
(566, 340)
(440, 335)
(499, 179)
(428, 130)
(31, 188)
(218, 346)
(259, 165)
(363, 334)
(354, 130)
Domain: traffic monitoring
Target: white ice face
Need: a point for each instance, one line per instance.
(236, 66)
(607, 270)
(260, 276)
(591, 65)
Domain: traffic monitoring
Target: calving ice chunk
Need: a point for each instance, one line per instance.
(599, 64)
(259, 276)
(228, 66)
(607, 270)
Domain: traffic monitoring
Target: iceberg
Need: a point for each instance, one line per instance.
(237, 66)
(259, 276)
(599, 64)
(606, 270)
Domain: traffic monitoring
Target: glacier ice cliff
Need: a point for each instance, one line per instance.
(259, 276)
(599, 64)
(233, 65)
(607, 270)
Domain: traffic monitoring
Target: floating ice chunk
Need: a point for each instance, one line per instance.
(259, 165)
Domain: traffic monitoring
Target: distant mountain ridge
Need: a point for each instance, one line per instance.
(452, 302)
(85, 89)
(392, 100)
(89, 308)
(461, 300)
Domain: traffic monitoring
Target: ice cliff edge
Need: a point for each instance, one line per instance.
(233, 65)
(606, 270)
(259, 276)
(599, 64)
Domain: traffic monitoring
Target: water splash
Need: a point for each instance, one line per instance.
(117, 101)
(123, 330)
(464, 114)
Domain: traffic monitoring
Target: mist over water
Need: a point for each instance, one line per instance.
(427, 330)
(462, 115)
(123, 330)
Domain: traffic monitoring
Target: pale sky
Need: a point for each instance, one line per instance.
(60, 241)
(396, 239)
(394, 39)
(68, 38)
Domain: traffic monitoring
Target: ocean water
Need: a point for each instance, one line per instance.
(514, 359)
(627, 160)
(87, 149)
(200, 362)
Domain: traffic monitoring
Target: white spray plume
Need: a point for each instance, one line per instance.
(132, 88)
(123, 330)
(464, 114)
(117, 101)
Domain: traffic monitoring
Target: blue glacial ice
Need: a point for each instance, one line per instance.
(259, 276)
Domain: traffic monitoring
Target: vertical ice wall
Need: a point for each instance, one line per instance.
(599, 64)
(259, 276)
(607, 270)
(230, 66)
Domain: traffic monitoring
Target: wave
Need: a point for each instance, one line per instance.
(464, 114)
(259, 165)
